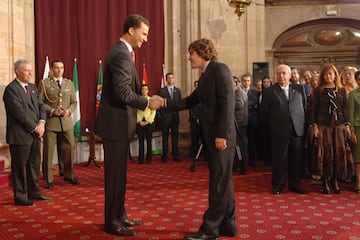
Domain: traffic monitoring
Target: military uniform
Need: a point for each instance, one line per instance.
(58, 97)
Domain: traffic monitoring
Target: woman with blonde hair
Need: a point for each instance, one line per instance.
(331, 126)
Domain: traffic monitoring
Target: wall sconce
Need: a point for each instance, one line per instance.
(239, 6)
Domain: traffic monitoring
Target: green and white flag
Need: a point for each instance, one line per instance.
(76, 115)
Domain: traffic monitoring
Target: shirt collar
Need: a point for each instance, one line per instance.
(127, 44)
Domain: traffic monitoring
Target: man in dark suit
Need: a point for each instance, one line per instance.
(283, 106)
(170, 120)
(216, 94)
(116, 120)
(25, 126)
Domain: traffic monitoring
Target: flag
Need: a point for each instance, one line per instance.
(99, 87)
(163, 78)
(47, 68)
(76, 115)
(144, 78)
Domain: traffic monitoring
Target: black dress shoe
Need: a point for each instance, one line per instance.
(177, 160)
(49, 186)
(200, 237)
(61, 174)
(131, 223)
(42, 198)
(23, 202)
(297, 190)
(227, 233)
(276, 191)
(164, 160)
(73, 181)
(120, 231)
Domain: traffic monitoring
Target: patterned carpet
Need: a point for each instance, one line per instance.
(170, 200)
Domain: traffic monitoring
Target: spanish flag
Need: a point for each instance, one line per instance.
(144, 77)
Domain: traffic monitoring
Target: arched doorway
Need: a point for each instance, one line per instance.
(310, 45)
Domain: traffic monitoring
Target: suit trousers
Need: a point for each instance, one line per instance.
(28, 158)
(115, 175)
(221, 211)
(286, 162)
(145, 132)
(167, 125)
(67, 142)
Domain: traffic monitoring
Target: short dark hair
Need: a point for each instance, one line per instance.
(204, 48)
(134, 21)
(56, 61)
(169, 73)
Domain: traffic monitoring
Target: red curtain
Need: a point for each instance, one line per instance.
(86, 30)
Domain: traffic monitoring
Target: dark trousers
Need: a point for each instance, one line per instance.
(172, 126)
(221, 211)
(145, 132)
(252, 144)
(242, 142)
(26, 158)
(286, 162)
(115, 169)
(195, 138)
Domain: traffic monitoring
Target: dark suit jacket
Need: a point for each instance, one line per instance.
(284, 115)
(22, 114)
(116, 119)
(166, 115)
(217, 104)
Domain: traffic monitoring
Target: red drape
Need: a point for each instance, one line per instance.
(86, 30)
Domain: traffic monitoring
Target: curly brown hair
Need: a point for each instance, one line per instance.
(204, 48)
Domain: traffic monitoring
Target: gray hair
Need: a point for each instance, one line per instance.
(288, 69)
(18, 64)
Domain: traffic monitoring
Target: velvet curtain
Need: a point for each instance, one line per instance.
(86, 30)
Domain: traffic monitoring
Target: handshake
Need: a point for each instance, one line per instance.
(156, 102)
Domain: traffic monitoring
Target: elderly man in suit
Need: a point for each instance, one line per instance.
(58, 96)
(216, 94)
(283, 106)
(170, 120)
(25, 125)
(116, 120)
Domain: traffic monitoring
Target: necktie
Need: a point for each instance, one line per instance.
(133, 55)
(27, 92)
(58, 83)
(171, 93)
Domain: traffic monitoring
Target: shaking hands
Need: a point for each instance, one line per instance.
(156, 102)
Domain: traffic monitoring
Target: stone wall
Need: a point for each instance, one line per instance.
(16, 41)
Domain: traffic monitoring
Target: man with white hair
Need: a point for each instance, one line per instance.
(283, 106)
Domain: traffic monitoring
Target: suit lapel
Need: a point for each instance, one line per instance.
(280, 93)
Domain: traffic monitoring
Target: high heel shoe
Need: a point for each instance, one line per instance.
(335, 186)
(326, 188)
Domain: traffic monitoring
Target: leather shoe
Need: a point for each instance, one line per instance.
(120, 231)
(23, 202)
(276, 191)
(298, 190)
(41, 198)
(227, 233)
(49, 186)
(177, 160)
(73, 181)
(131, 223)
(200, 236)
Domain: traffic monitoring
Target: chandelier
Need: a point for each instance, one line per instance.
(239, 6)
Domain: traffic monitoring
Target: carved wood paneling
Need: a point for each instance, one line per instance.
(313, 44)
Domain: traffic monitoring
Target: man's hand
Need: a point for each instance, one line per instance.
(220, 144)
(40, 129)
(66, 112)
(57, 112)
(156, 102)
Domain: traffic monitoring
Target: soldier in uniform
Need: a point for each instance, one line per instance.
(58, 96)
